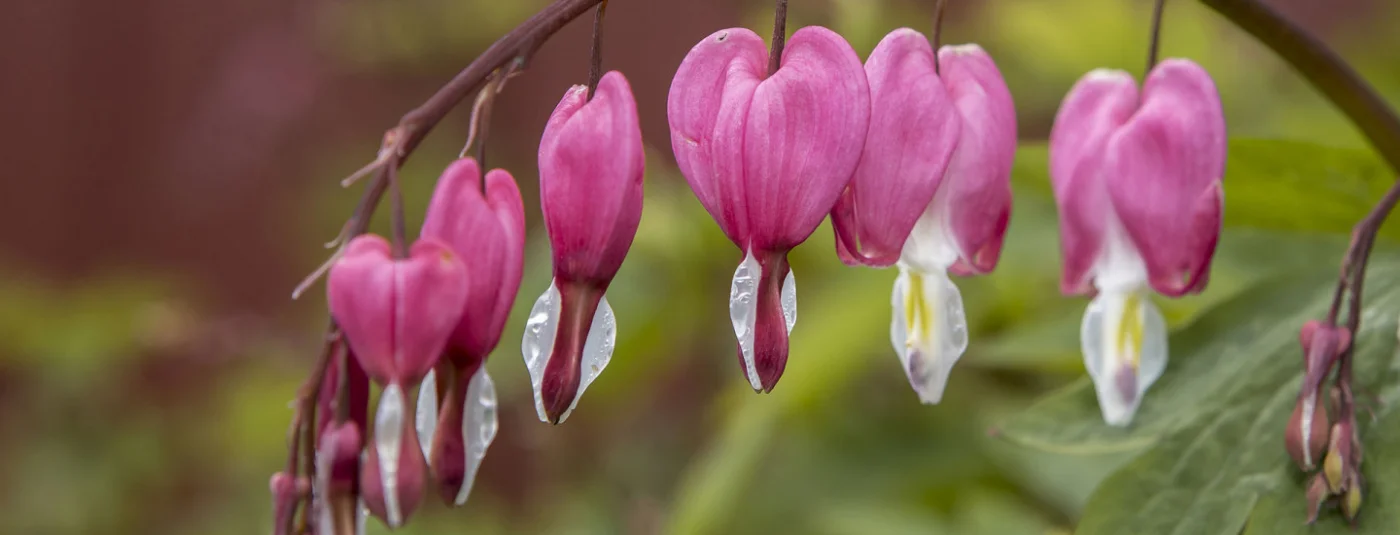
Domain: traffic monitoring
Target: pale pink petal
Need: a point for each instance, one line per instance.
(591, 167)
(360, 292)
(707, 109)
(913, 130)
(1097, 105)
(431, 292)
(1166, 164)
(978, 182)
(806, 129)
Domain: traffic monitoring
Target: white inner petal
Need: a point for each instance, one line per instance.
(425, 419)
(539, 341)
(1124, 340)
(388, 441)
(362, 516)
(928, 329)
(1123, 335)
(789, 301)
(743, 311)
(478, 427)
(930, 248)
(597, 351)
(320, 496)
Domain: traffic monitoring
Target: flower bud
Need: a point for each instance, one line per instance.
(768, 155)
(1317, 495)
(1351, 502)
(1306, 436)
(1336, 466)
(287, 492)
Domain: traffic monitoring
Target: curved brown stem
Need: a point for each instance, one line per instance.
(937, 32)
(1321, 67)
(775, 54)
(1156, 36)
(595, 66)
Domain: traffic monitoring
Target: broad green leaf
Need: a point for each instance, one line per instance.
(1211, 430)
(1273, 184)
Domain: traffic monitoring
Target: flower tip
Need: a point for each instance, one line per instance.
(1108, 75)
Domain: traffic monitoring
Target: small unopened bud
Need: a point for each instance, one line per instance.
(286, 494)
(1317, 495)
(1306, 436)
(1351, 502)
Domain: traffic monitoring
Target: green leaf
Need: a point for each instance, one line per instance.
(1269, 184)
(1211, 430)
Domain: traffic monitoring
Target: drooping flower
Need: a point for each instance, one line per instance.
(591, 168)
(397, 315)
(768, 156)
(487, 232)
(932, 192)
(1137, 178)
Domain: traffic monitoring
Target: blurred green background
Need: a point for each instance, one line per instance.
(177, 169)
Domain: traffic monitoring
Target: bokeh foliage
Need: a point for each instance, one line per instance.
(98, 436)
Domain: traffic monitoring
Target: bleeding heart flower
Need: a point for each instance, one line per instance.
(591, 167)
(486, 231)
(768, 156)
(1138, 182)
(932, 192)
(397, 315)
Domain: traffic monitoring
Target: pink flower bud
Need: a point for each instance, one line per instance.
(768, 156)
(487, 233)
(913, 130)
(591, 167)
(287, 492)
(1144, 171)
(397, 313)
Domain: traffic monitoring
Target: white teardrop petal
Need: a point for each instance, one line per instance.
(478, 427)
(597, 351)
(538, 342)
(1124, 340)
(362, 517)
(743, 311)
(388, 442)
(789, 301)
(325, 524)
(928, 330)
(425, 419)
